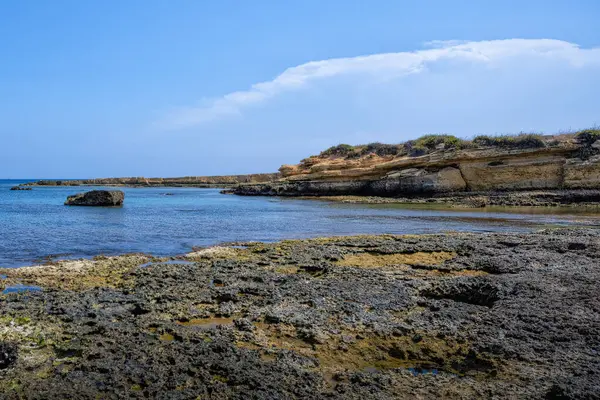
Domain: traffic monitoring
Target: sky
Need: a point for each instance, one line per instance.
(178, 88)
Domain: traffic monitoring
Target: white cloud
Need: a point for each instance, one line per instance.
(380, 66)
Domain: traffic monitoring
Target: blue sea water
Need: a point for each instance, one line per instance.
(35, 224)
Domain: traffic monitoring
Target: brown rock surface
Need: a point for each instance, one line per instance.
(582, 174)
(514, 173)
(560, 162)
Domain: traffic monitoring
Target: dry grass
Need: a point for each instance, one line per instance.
(369, 260)
(361, 350)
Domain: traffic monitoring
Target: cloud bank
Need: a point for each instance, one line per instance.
(381, 66)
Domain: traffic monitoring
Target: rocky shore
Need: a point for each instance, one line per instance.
(511, 170)
(188, 181)
(519, 170)
(580, 199)
(434, 316)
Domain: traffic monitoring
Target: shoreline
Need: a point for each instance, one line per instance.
(129, 185)
(583, 220)
(343, 317)
(589, 198)
(473, 200)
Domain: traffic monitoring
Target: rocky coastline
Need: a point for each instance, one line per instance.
(566, 199)
(188, 181)
(414, 316)
(521, 170)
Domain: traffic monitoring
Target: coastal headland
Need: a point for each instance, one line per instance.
(431, 316)
(522, 170)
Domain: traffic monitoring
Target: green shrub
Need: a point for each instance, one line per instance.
(341, 150)
(414, 150)
(417, 150)
(357, 153)
(432, 141)
(380, 149)
(428, 143)
(522, 141)
(588, 136)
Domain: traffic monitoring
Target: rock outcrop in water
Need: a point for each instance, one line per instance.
(20, 188)
(567, 162)
(448, 316)
(97, 198)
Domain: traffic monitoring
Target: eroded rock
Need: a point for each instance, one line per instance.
(435, 316)
(8, 354)
(97, 198)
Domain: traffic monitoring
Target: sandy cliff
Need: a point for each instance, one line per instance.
(553, 162)
(430, 165)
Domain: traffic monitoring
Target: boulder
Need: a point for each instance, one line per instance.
(98, 198)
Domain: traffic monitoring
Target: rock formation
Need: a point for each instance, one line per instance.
(20, 188)
(188, 181)
(98, 198)
(428, 166)
(438, 316)
(564, 162)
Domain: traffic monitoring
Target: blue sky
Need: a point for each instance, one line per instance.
(156, 88)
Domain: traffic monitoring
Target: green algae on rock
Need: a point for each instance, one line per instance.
(494, 315)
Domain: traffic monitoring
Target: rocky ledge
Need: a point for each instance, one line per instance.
(97, 198)
(447, 166)
(20, 188)
(455, 316)
(582, 199)
(187, 181)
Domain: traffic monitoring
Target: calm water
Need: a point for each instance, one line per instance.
(35, 224)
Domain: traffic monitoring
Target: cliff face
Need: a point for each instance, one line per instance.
(560, 164)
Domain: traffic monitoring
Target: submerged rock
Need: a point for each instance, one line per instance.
(20, 188)
(98, 198)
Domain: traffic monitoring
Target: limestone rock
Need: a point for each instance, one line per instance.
(98, 198)
(419, 180)
(517, 173)
(582, 174)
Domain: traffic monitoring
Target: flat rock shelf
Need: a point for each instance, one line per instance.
(459, 316)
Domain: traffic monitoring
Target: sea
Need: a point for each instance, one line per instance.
(36, 226)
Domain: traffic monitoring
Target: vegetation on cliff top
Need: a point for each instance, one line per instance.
(522, 141)
(430, 143)
(588, 136)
